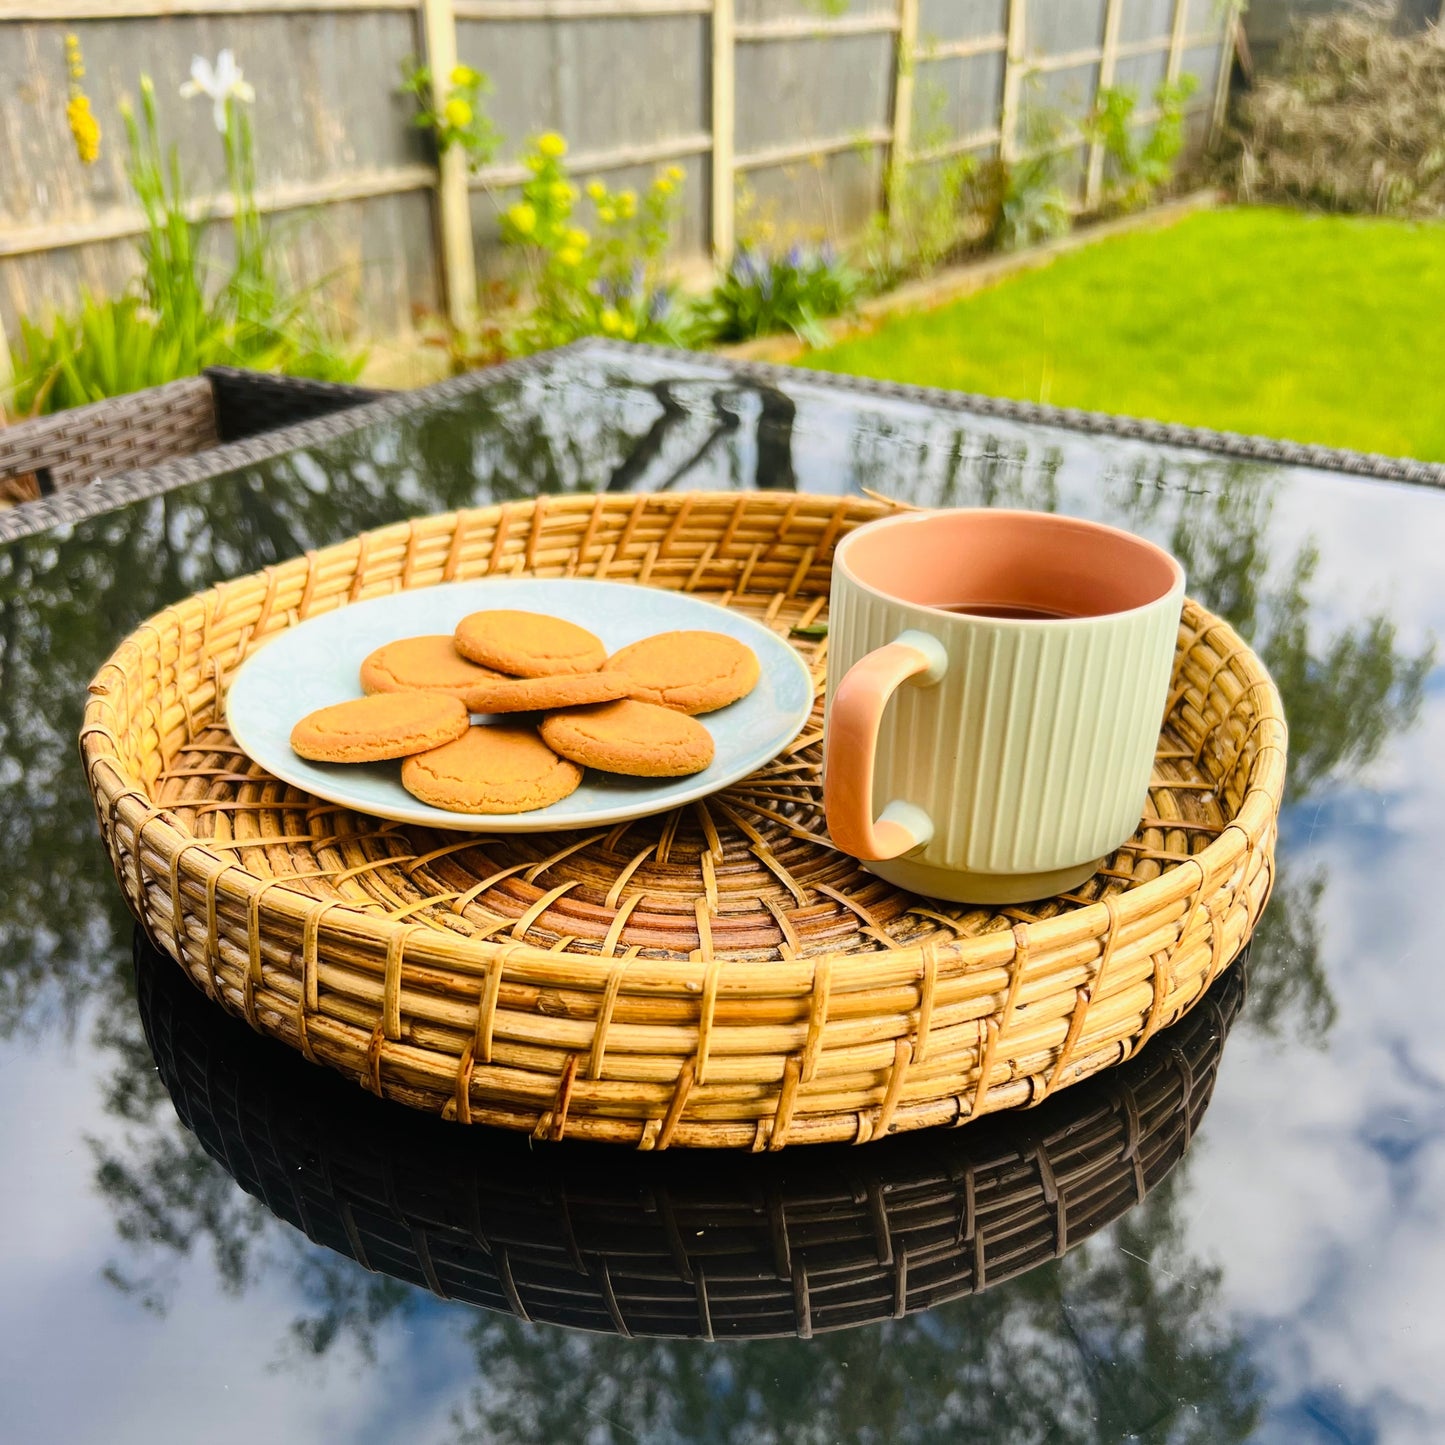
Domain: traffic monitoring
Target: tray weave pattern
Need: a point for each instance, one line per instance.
(719, 975)
(682, 1245)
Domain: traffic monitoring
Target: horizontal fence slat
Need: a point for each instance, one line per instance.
(989, 135)
(961, 49)
(115, 224)
(809, 27)
(512, 173)
(158, 9)
(1072, 59)
(791, 151)
(576, 9)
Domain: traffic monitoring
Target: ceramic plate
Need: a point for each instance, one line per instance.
(316, 663)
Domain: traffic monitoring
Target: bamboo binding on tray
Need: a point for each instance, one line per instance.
(719, 975)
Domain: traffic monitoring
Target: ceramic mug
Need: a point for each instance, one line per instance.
(996, 684)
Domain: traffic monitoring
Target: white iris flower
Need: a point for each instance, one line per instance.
(222, 82)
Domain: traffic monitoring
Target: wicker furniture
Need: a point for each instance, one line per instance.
(717, 976)
(72, 448)
(678, 1245)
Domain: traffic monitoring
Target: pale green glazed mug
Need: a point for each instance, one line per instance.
(996, 685)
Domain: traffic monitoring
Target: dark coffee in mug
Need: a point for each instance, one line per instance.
(1019, 613)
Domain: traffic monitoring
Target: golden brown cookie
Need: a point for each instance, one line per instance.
(501, 769)
(637, 738)
(690, 671)
(422, 664)
(528, 644)
(385, 725)
(537, 694)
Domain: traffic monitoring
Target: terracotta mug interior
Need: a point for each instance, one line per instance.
(1034, 564)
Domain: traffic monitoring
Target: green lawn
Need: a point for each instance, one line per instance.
(1318, 328)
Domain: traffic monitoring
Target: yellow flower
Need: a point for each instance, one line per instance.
(458, 113)
(629, 329)
(626, 203)
(84, 128)
(569, 256)
(533, 162)
(597, 190)
(523, 218)
(606, 214)
(563, 193)
(611, 321)
(578, 238)
(464, 75)
(676, 175)
(551, 145)
(663, 186)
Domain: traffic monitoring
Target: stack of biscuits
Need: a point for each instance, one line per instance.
(632, 713)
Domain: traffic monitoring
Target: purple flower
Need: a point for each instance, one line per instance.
(794, 258)
(827, 256)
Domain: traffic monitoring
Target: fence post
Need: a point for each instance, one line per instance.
(1013, 74)
(1108, 60)
(454, 207)
(724, 123)
(1228, 43)
(907, 54)
(1176, 40)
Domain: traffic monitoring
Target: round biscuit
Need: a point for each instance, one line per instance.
(382, 726)
(639, 739)
(539, 694)
(502, 769)
(422, 664)
(692, 672)
(528, 644)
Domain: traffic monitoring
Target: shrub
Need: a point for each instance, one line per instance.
(608, 281)
(461, 119)
(1352, 119)
(173, 324)
(932, 216)
(1137, 172)
(762, 294)
(1024, 199)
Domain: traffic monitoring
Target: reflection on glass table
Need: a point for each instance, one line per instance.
(1279, 1286)
(691, 1245)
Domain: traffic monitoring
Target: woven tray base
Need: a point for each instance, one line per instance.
(681, 1244)
(719, 975)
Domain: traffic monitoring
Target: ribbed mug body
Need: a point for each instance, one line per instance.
(1031, 755)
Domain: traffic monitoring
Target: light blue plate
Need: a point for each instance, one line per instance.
(317, 662)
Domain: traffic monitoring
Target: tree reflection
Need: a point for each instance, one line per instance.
(1345, 693)
(1103, 1346)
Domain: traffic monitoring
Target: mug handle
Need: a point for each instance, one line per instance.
(850, 747)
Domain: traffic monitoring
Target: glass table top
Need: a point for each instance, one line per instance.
(1233, 1239)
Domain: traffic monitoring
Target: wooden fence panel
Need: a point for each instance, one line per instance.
(328, 125)
(1142, 20)
(946, 20)
(630, 93)
(795, 106)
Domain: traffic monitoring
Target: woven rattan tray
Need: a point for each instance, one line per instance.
(715, 976)
(680, 1244)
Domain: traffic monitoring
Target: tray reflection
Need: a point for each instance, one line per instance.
(679, 1245)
